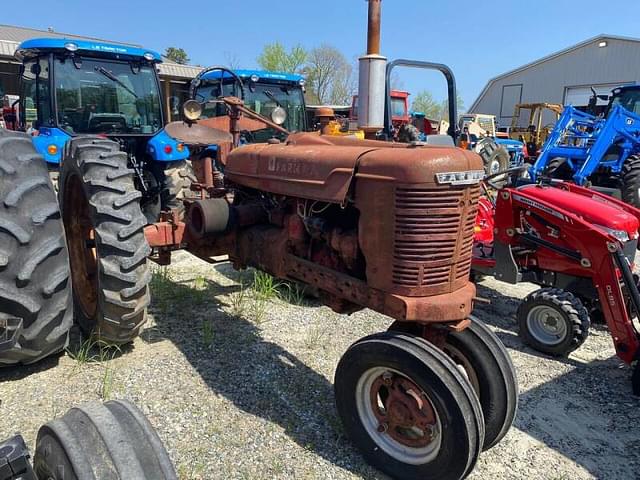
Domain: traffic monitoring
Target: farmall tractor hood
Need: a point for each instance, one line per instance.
(322, 167)
(594, 210)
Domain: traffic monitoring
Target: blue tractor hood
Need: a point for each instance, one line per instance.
(37, 46)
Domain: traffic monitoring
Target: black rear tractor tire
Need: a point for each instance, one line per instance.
(387, 377)
(490, 371)
(635, 379)
(177, 187)
(558, 168)
(494, 157)
(34, 262)
(107, 247)
(110, 441)
(553, 321)
(631, 181)
(408, 133)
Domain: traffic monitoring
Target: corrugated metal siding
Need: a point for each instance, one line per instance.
(547, 81)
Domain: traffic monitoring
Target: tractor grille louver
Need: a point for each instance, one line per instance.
(433, 235)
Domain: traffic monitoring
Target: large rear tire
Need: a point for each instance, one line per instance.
(178, 179)
(631, 181)
(110, 441)
(34, 263)
(494, 157)
(107, 247)
(408, 409)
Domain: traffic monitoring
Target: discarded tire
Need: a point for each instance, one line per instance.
(34, 263)
(110, 441)
(107, 247)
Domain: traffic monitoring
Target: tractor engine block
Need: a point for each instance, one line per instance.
(367, 223)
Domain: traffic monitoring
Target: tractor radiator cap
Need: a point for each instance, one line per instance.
(197, 135)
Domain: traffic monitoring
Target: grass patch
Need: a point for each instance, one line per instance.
(207, 333)
(265, 286)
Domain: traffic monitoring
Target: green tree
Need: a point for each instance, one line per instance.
(275, 58)
(177, 55)
(432, 108)
(330, 77)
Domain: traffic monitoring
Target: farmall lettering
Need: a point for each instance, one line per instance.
(290, 167)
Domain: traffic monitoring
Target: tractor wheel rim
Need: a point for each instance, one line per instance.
(546, 325)
(81, 238)
(398, 416)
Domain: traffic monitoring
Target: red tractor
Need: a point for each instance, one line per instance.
(579, 246)
(407, 127)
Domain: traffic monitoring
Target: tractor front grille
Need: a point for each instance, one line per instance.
(433, 236)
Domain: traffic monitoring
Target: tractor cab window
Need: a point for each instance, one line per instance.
(98, 96)
(629, 99)
(398, 107)
(35, 97)
(262, 98)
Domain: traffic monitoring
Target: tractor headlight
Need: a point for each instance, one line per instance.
(192, 110)
(619, 234)
(279, 115)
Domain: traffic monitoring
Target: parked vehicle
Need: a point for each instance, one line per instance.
(599, 152)
(96, 108)
(498, 153)
(536, 132)
(579, 246)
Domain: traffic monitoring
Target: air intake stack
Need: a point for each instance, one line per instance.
(372, 70)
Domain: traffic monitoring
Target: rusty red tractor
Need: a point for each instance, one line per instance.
(368, 224)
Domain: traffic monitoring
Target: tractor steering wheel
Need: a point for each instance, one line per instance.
(196, 82)
(506, 177)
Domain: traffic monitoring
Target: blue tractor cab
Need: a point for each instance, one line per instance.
(603, 152)
(72, 88)
(262, 91)
(95, 112)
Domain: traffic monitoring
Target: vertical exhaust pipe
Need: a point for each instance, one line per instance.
(371, 77)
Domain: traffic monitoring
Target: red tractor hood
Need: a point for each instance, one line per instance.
(595, 210)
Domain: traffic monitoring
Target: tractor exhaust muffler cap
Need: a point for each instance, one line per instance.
(470, 177)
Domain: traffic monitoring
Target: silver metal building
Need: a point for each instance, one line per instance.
(603, 62)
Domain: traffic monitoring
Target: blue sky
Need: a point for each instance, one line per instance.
(477, 39)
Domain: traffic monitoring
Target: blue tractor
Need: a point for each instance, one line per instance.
(601, 152)
(94, 111)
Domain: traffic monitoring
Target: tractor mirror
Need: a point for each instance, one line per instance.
(35, 69)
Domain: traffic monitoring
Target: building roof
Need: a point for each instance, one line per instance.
(598, 38)
(11, 37)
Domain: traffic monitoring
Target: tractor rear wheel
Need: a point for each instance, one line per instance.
(553, 321)
(408, 134)
(631, 181)
(177, 186)
(408, 408)
(494, 157)
(110, 441)
(107, 248)
(34, 262)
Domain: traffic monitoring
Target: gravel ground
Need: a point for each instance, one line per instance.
(242, 388)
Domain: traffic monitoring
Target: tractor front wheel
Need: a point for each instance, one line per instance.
(107, 248)
(408, 408)
(631, 181)
(177, 186)
(490, 371)
(553, 321)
